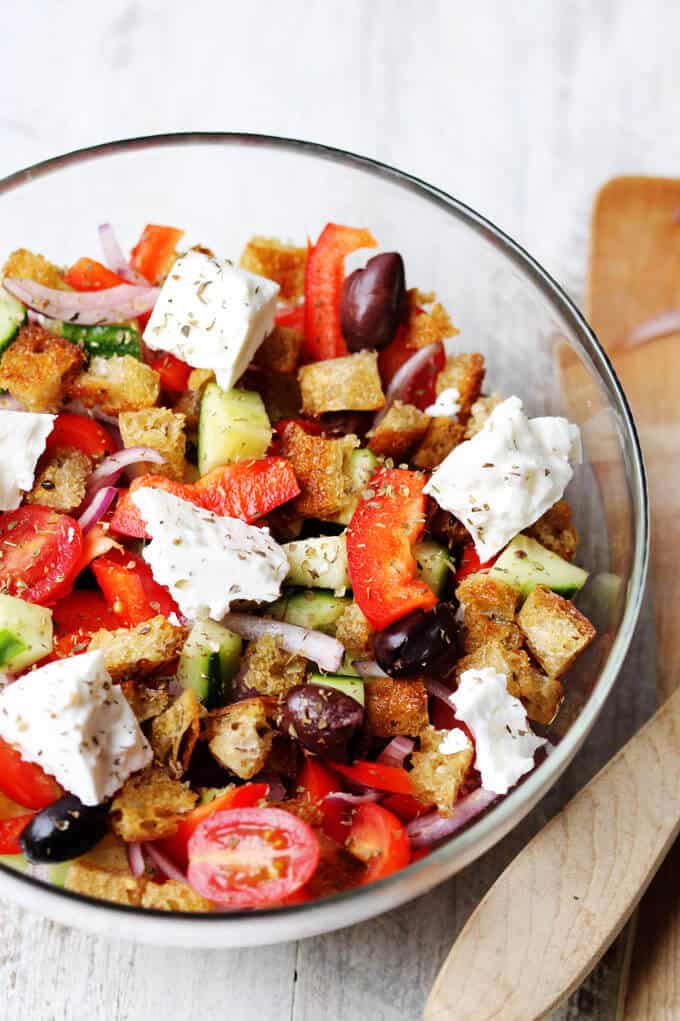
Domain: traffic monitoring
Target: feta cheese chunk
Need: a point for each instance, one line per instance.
(212, 315)
(447, 404)
(208, 561)
(504, 741)
(23, 435)
(507, 476)
(456, 740)
(72, 720)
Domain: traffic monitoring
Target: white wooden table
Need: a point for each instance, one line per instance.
(522, 109)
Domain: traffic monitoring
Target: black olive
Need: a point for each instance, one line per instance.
(425, 642)
(322, 719)
(64, 830)
(372, 302)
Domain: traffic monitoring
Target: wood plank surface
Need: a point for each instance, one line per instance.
(522, 110)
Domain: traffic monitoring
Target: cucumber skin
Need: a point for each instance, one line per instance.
(352, 686)
(209, 661)
(435, 565)
(538, 566)
(106, 341)
(13, 315)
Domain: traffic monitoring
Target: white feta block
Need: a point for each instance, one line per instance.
(23, 435)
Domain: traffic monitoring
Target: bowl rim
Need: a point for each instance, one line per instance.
(542, 778)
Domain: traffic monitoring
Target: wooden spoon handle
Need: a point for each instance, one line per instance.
(552, 913)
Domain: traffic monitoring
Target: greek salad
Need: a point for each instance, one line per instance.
(285, 594)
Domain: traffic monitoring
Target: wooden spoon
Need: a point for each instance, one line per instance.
(551, 915)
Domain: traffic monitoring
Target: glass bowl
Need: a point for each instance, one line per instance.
(225, 187)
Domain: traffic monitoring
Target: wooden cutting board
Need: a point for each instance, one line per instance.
(634, 275)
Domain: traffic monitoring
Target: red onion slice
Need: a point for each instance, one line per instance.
(355, 799)
(404, 375)
(163, 863)
(96, 507)
(114, 258)
(135, 857)
(429, 829)
(86, 308)
(368, 668)
(396, 751)
(112, 467)
(657, 326)
(323, 650)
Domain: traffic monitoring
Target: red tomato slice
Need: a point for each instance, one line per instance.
(129, 588)
(470, 562)
(380, 540)
(378, 838)
(25, 782)
(83, 433)
(316, 780)
(155, 251)
(173, 371)
(90, 275)
(405, 806)
(10, 831)
(83, 611)
(248, 857)
(177, 846)
(40, 553)
(375, 774)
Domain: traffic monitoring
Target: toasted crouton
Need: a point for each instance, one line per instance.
(354, 632)
(540, 695)
(139, 651)
(146, 702)
(160, 429)
(489, 608)
(105, 884)
(240, 736)
(174, 896)
(270, 670)
(465, 372)
(350, 383)
(319, 467)
(425, 327)
(556, 531)
(479, 412)
(175, 732)
(396, 707)
(61, 482)
(436, 777)
(555, 631)
(281, 350)
(149, 805)
(283, 263)
(400, 430)
(25, 265)
(117, 384)
(443, 434)
(37, 368)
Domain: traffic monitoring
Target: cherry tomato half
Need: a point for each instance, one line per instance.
(249, 857)
(378, 838)
(81, 432)
(25, 782)
(40, 553)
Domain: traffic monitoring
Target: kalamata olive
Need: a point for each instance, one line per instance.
(64, 830)
(372, 302)
(425, 642)
(322, 719)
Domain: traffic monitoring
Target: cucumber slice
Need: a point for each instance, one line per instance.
(209, 661)
(319, 563)
(25, 633)
(351, 686)
(360, 466)
(54, 873)
(314, 609)
(12, 316)
(15, 861)
(434, 565)
(524, 564)
(102, 341)
(233, 426)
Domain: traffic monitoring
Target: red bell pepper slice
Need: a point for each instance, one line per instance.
(129, 588)
(324, 276)
(316, 780)
(82, 433)
(405, 806)
(247, 490)
(10, 831)
(173, 371)
(177, 846)
(76, 617)
(380, 540)
(293, 318)
(90, 275)
(470, 562)
(155, 251)
(380, 840)
(25, 782)
(394, 779)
